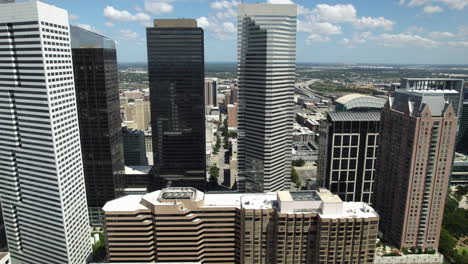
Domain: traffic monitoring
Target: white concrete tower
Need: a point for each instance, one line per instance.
(266, 72)
(41, 173)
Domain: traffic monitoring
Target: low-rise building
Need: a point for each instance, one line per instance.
(459, 170)
(184, 224)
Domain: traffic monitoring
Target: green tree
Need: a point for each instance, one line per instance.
(214, 174)
(295, 177)
(298, 163)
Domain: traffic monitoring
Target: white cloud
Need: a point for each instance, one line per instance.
(88, 27)
(373, 23)
(158, 7)
(73, 17)
(458, 43)
(357, 39)
(453, 4)
(404, 40)
(437, 34)
(124, 16)
(220, 29)
(414, 29)
(126, 34)
(319, 28)
(431, 9)
(220, 5)
(317, 38)
(336, 13)
(109, 24)
(280, 2)
(402, 2)
(222, 22)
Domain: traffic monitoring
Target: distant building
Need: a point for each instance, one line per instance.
(184, 224)
(97, 90)
(176, 80)
(211, 91)
(138, 177)
(347, 153)
(134, 147)
(459, 170)
(416, 146)
(359, 102)
(138, 111)
(232, 116)
(266, 95)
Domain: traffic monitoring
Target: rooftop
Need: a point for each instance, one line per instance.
(137, 170)
(354, 116)
(322, 202)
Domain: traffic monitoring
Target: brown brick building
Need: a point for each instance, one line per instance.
(186, 225)
(419, 125)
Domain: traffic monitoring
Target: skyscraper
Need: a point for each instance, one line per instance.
(176, 81)
(97, 90)
(42, 190)
(266, 72)
(211, 91)
(348, 146)
(417, 139)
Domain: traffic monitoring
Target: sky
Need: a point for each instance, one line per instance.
(351, 31)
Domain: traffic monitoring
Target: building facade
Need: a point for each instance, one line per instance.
(347, 154)
(97, 93)
(266, 72)
(43, 191)
(232, 116)
(134, 147)
(176, 81)
(416, 147)
(211, 91)
(186, 225)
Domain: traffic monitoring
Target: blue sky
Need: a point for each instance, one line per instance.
(352, 31)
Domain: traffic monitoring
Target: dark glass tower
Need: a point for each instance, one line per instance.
(176, 81)
(97, 91)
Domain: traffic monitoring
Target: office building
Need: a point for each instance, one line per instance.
(266, 72)
(185, 225)
(232, 116)
(415, 153)
(176, 81)
(134, 147)
(462, 139)
(347, 154)
(43, 191)
(211, 91)
(138, 111)
(459, 170)
(97, 98)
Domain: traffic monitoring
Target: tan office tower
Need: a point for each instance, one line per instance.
(290, 227)
(419, 125)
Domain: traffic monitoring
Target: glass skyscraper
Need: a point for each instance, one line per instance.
(266, 72)
(97, 91)
(176, 80)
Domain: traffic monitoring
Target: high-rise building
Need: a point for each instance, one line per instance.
(186, 225)
(347, 154)
(415, 153)
(43, 191)
(462, 138)
(266, 72)
(211, 91)
(97, 94)
(176, 80)
(134, 147)
(232, 116)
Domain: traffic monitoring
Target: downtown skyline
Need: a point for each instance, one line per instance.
(390, 31)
